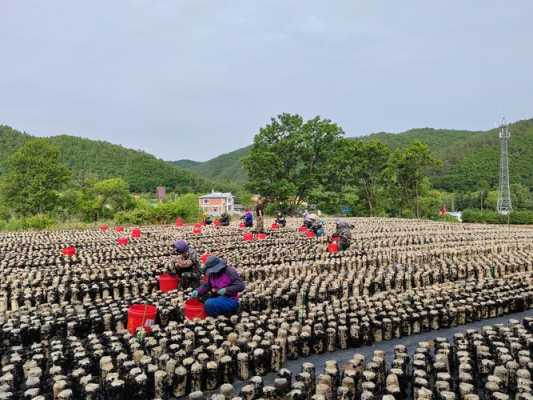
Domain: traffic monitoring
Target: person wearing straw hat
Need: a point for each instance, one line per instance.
(225, 219)
(223, 285)
(188, 264)
(343, 234)
(316, 225)
(280, 220)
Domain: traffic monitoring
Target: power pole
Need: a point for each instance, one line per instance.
(504, 206)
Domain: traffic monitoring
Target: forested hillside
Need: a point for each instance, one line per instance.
(224, 167)
(187, 164)
(468, 157)
(98, 159)
(471, 157)
(479, 159)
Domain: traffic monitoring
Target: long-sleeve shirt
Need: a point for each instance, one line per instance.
(190, 262)
(249, 217)
(228, 278)
(344, 232)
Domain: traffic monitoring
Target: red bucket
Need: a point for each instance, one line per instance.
(168, 282)
(302, 228)
(333, 247)
(261, 236)
(274, 227)
(197, 230)
(310, 234)
(119, 229)
(122, 241)
(248, 236)
(136, 233)
(141, 315)
(69, 251)
(203, 257)
(104, 228)
(179, 222)
(194, 308)
(241, 225)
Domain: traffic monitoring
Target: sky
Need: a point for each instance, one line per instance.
(194, 79)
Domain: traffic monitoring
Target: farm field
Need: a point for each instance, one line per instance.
(413, 296)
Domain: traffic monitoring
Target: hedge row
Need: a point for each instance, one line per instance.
(492, 217)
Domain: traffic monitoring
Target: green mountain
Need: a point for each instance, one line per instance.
(468, 157)
(99, 159)
(226, 167)
(187, 164)
(477, 159)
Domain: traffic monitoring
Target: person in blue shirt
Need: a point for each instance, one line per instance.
(248, 219)
(223, 287)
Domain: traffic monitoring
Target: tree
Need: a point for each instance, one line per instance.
(411, 166)
(342, 168)
(373, 161)
(359, 165)
(33, 177)
(111, 195)
(432, 201)
(289, 157)
(483, 191)
(521, 197)
(103, 199)
(114, 193)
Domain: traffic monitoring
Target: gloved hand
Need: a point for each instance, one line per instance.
(194, 294)
(221, 292)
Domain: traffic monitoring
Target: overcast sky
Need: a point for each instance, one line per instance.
(193, 79)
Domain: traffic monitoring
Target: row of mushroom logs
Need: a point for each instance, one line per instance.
(93, 353)
(399, 278)
(122, 241)
(493, 363)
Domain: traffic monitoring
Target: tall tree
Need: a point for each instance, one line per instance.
(101, 199)
(411, 167)
(372, 159)
(289, 157)
(33, 177)
(483, 191)
(363, 166)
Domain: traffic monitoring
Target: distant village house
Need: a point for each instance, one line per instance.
(216, 203)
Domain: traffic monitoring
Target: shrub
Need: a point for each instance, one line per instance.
(446, 218)
(185, 207)
(522, 217)
(4, 212)
(38, 221)
(492, 217)
(137, 216)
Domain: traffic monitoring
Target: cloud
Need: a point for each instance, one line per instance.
(193, 79)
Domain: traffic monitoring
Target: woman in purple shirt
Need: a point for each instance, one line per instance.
(225, 283)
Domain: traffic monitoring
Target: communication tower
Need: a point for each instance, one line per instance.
(504, 206)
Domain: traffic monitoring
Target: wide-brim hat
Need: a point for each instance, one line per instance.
(214, 264)
(181, 246)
